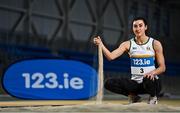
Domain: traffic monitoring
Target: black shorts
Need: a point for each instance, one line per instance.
(125, 86)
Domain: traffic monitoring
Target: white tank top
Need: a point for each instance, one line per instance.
(142, 59)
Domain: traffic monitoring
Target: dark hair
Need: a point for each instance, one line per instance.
(140, 18)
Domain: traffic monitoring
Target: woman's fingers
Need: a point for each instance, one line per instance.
(97, 40)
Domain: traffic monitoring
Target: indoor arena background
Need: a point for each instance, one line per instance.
(64, 29)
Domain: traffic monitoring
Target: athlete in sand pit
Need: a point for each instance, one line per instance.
(143, 52)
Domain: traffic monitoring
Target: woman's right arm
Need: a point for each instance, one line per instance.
(115, 53)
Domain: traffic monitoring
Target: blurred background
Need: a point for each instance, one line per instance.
(64, 29)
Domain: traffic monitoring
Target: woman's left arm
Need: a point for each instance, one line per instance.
(160, 61)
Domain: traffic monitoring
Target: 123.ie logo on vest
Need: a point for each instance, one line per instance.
(50, 79)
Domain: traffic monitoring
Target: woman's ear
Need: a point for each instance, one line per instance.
(146, 27)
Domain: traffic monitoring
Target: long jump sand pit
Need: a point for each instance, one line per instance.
(91, 106)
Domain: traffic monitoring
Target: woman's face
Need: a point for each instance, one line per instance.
(139, 28)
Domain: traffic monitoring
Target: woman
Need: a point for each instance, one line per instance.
(143, 52)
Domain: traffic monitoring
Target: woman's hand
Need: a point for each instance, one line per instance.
(97, 40)
(150, 75)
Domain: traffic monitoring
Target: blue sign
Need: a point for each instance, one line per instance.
(50, 79)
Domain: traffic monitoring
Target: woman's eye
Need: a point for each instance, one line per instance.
(135, 26)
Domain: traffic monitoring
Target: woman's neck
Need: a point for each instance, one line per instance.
(141, 39)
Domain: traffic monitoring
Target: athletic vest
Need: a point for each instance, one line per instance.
(142, 59)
